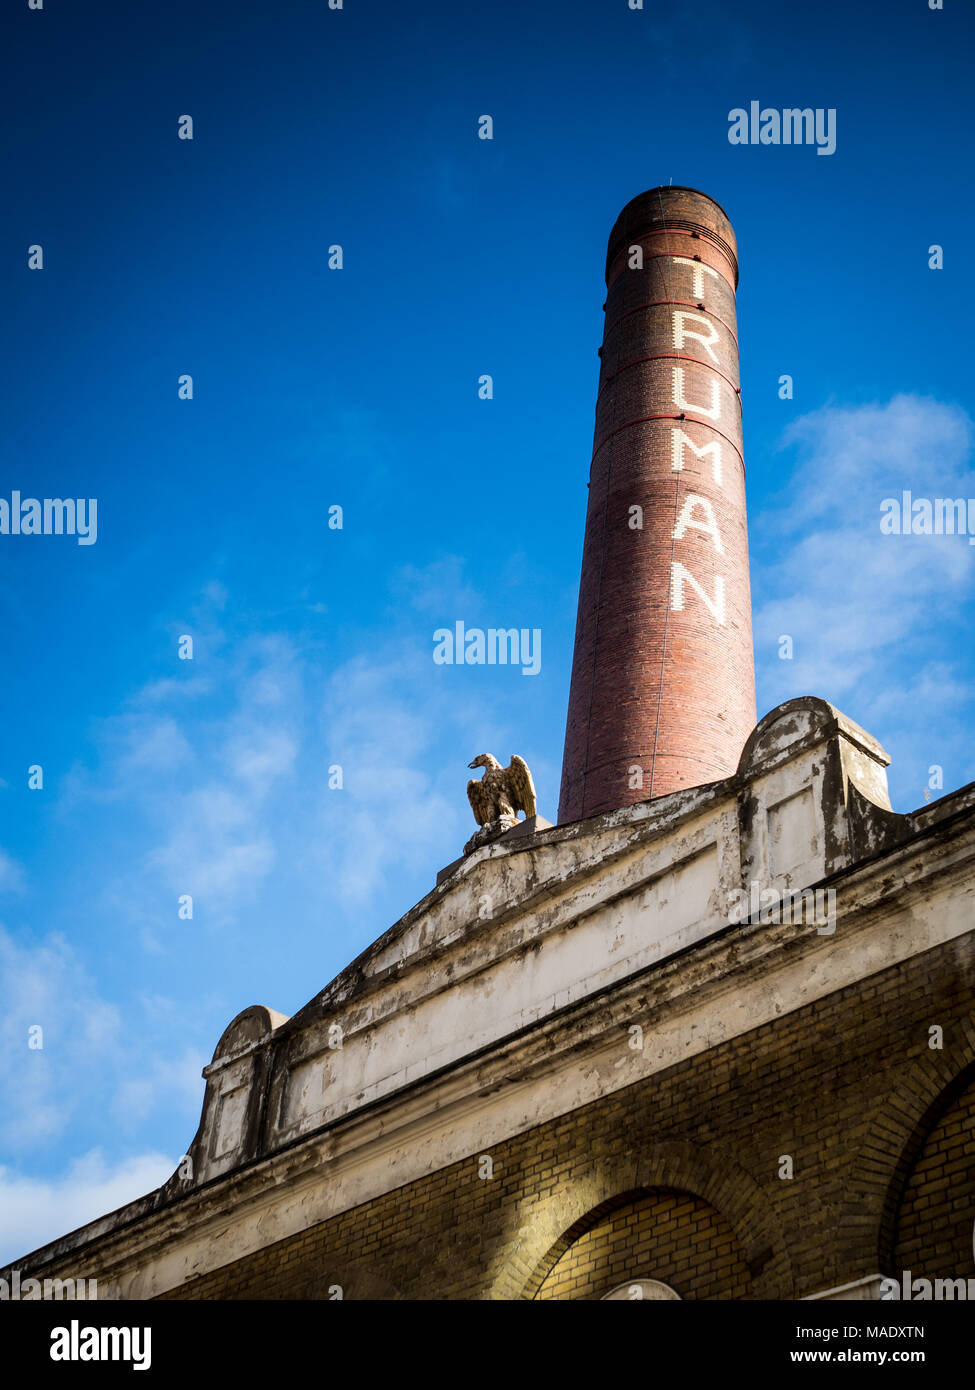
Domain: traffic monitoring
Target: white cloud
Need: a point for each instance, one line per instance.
(44, 984)
(214, 849)
(231, 796)
(382, 717)
(258, 757)
(136, 1096)
(151, 746)
(226, 797)
(169, 688)
(198, 778)
(36, 1210)
(92, 1057)
(432, 589)
(877, 621)
(12, 878)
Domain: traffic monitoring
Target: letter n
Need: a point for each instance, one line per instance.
(679, 575)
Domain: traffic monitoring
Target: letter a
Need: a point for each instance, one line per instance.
(738, 134)
(708, 525)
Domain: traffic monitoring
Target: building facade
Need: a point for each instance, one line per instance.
(584, 1061)
(713, 1040)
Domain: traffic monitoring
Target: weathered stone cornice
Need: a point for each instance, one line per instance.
(461, 1029)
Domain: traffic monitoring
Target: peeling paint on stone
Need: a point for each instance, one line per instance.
(500, 1022)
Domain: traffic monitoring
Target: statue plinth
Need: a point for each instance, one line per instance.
(492, 831)
(522, 829)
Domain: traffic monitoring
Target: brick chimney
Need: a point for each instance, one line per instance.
(663, 681)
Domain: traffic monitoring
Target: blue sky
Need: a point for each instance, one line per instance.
(358, 387)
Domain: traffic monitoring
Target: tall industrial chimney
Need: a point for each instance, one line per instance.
(663, 681)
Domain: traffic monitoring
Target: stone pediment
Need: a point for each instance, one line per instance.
(506, 995)
(536, 923)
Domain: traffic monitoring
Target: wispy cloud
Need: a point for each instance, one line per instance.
(235, 786)
(877, 621)
(12, 877)
(137, 1095)
(45, 986)
(36, 1210)
(382, 717)
(195, 779)
(226, 797)
(69, 1049)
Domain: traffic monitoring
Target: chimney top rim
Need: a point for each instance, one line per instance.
(649, 211)
(676, 188)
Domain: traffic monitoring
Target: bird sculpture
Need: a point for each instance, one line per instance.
(502, 792)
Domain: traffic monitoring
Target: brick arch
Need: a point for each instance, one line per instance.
(605, 1184)
(934, 1221)
(895, 1142)
(658, 1234)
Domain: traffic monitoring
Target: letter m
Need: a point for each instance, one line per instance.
(680, 442)
(798, 127)
(950, 1289)
(679, 576)
(949, 516)
(502, 645)
(59, 516)
(119, 1340)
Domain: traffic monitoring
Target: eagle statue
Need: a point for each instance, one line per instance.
(498, 797)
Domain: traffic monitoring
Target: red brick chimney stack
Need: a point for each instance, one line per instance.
(663, 681)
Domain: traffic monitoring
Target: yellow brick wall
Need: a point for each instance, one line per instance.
(936, 1219)
(836, 1087)
(670, 1236)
